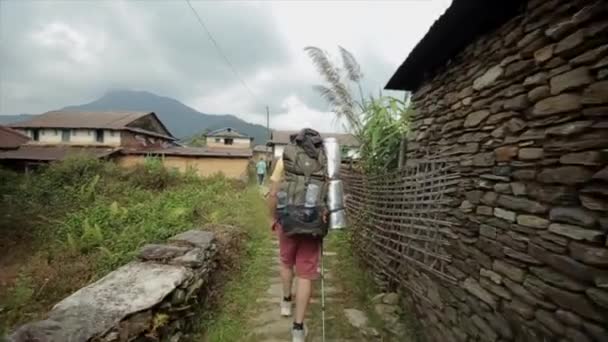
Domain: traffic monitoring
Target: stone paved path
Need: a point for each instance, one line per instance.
(266, 325)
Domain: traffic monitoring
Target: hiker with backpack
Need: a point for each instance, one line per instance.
(298, 206)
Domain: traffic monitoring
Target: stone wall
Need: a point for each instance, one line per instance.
(152, 298)
(524, 111)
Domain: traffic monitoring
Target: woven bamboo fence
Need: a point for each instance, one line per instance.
(401, 220)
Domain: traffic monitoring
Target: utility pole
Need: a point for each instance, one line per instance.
(268, 122)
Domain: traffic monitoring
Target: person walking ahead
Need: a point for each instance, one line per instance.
(298, 206)
(261, 170)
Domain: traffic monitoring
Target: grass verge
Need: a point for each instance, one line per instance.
(228, 322)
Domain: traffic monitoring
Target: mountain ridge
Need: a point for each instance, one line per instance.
(181, 120)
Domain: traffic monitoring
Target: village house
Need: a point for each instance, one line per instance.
(125, 137)
(279, 139)
(514, 95)
(228, 138)
(262, 151)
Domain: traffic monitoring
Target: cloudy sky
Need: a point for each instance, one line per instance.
(58, 53)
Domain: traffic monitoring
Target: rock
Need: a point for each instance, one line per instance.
(598, 296)
(557, 104)
(575, 232)
(603, 174)
(391, 299)
(193, 258)
(194, 238)
(489, 198)
(486, 330)
(539, 93)
(524, 174)
(356, 318)
(484, 210)
(474, 196)
(531, 153)
(521, 204)
(484, 159)
(466, 206)
(570, 80)
(503, 188)
(573, 301)
(532, 221)
(517, 103)
(488, 78)
(519, 256)
(590, 55)
(161, 252)
(544, 54)
(518, 188)
(576, 335)
(554, 194)
(536, 79)
(585, 141)
(569, 128)
(487, 231)
(564, 264)
(515, 125)
(452, 125)
(593, 203)
(527, 297)
(598, 333)
(577, 216)
(596, 111)
(568, 45)
(499, 117)
(504, 214)
(495, 277)
(557, 279)
(547, 319)
(596, 93)
(524, 310)
(597, 256)
(476, 118)
(388, 313)
(473, 287)
(584, 158)
(565, 175)
(569, 318)
(505, 153)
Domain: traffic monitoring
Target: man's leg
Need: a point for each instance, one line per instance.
(307, 264)
(287, 251)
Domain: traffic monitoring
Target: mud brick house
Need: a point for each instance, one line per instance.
(228, 138)
(516, 94)
(125, 137)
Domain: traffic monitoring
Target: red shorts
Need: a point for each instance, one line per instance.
(301, 252)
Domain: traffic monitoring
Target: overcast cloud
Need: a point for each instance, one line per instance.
(58, 53)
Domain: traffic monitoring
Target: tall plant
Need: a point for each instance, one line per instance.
(379, 123)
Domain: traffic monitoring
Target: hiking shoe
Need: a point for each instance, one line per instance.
(285, 308)
(298, 335)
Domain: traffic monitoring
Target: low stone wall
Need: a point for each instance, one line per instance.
(154, 296)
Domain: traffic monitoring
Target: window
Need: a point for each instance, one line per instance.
(36, 135)
(217, 140)
(65, 135)
(228, 141)
(99, 135)
(56, 131)
(111, 133)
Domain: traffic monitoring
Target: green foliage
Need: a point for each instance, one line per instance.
(379, 123)
(385, 123)
(91, 217)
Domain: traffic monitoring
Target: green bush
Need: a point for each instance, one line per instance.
(91, 216)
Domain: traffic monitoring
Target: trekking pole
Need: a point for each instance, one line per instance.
(322, 296)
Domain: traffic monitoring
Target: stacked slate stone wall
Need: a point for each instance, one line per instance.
(524, 112)
(151, 299)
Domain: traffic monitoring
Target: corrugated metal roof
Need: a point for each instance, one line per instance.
(10, 139)
(344, 139)
(193, 152)
(459, 26)
(262, 148)
(51, 153)
(68, 119)
(117, 120)
(227, 132)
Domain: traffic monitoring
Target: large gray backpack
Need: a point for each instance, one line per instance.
(300, 171)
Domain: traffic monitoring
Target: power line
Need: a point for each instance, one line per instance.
(220, 52)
